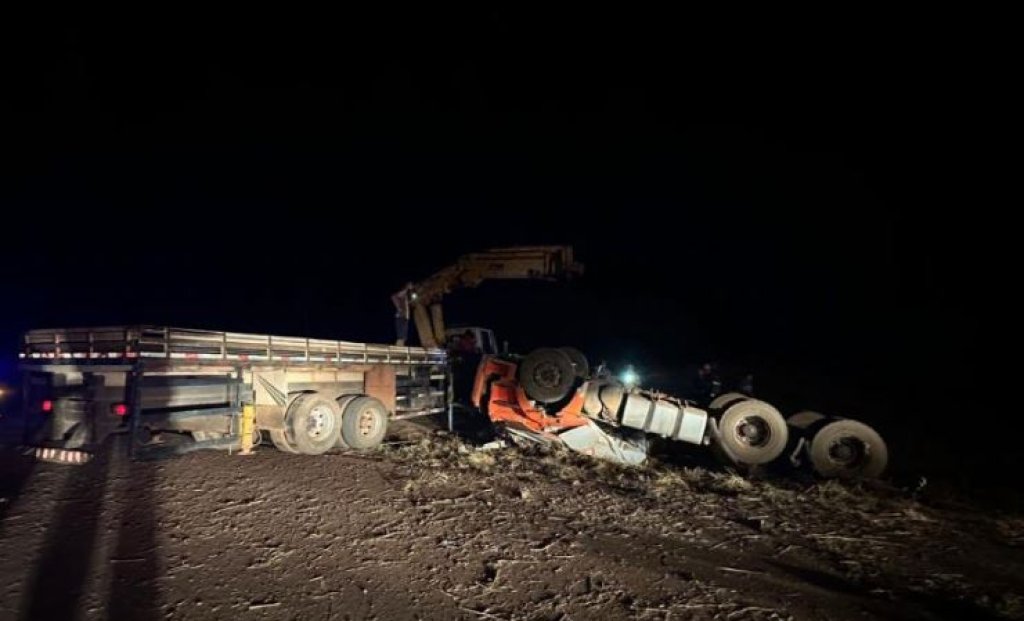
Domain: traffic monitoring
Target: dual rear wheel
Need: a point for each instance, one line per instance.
(753, 433)
(315, 424)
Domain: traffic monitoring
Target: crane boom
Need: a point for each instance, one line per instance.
(517, 263)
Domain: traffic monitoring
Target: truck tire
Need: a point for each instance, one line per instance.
(343, 402)
(724, 399)
(848, 449)
(753, 432)
(804, 420)
(314, 423)
(579, 361)
(364, 423)
(547, 375)
(281, 442)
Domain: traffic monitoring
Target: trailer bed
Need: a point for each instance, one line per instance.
(151, 381)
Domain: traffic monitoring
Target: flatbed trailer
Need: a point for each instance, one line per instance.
(182, 389)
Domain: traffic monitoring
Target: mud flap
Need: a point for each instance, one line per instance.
(593, 441)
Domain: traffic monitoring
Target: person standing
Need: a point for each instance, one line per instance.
(403, 302)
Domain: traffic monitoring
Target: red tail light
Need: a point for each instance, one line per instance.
(119, 409)
(46, 406)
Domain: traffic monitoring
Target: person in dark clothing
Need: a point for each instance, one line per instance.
(402, 301)
(705, 384)
(465, 359)
(467, 344)
(747, 385)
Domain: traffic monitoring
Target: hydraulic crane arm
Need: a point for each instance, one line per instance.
(518, 263)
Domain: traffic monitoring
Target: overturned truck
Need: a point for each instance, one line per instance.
(550, 395)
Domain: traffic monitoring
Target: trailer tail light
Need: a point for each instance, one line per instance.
(119, 409)
(46, 406)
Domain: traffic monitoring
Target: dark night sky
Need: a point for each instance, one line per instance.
(774, 198)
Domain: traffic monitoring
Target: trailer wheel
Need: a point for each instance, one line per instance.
(724, 399)
(364, 423)
(848, 449)
(281, 442)
(314, 423)
(804, 420)
(343, 402)
(547, 375)
(579, 361)
(753, 431)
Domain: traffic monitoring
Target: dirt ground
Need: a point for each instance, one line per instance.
(429, 528)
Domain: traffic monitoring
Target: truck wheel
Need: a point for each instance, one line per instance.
(579, 361)
(547, 375)
(314, 423)
(280, 440)
(364, 423)
(753, 431)
(848, 449)
(803, 420)
(343, 402)
(724, 399)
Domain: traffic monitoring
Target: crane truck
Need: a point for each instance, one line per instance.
(176, 389)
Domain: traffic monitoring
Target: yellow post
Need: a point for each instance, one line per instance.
(248, 422)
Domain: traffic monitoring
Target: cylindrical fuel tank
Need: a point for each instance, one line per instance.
(667, 419)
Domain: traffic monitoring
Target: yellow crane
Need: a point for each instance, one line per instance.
(517, 263)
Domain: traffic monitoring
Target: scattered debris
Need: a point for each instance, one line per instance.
(260, 606)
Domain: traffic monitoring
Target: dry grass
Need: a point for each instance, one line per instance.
(482, 460)
(669, 481)
(862, 531)
(730, 482)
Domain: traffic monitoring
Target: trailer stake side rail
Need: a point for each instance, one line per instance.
(149, 342)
